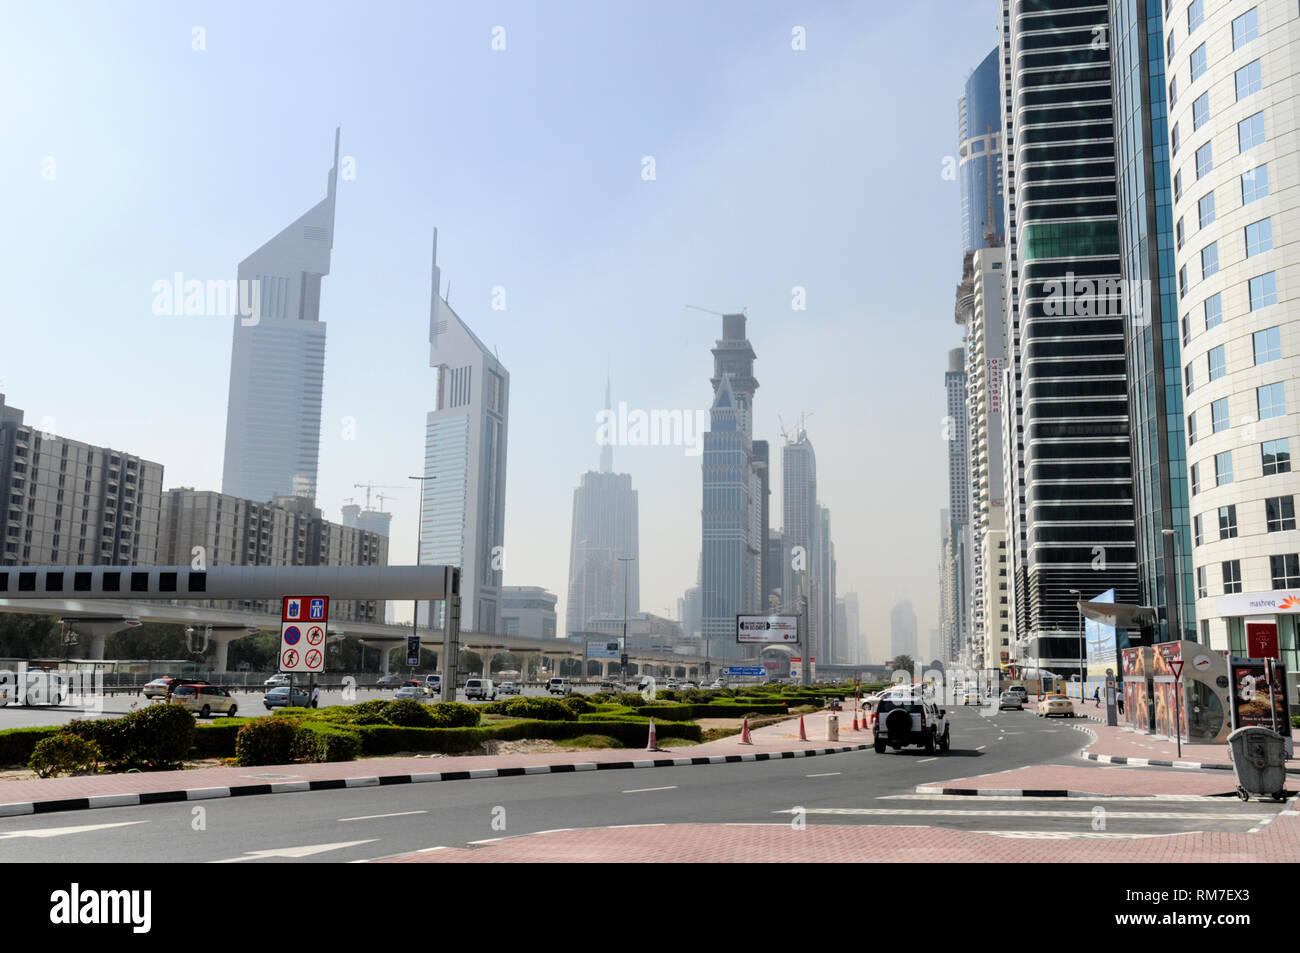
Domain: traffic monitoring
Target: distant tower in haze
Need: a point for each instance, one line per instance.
(277, 362)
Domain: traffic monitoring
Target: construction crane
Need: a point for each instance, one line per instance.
(792, 436)
(707, 311)
(371, 487)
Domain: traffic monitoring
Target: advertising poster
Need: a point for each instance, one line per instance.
(1137, 708)
(1251, 680)
(1166, 687)
(1100, 642)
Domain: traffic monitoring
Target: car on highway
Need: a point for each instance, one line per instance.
(672, 683)
(686, 686)
(205, 699)
(1011, 700)
(970, 696)
(717, 684)
(159, 687)
(278, 697)
(480, 688)
(388, 681)
(910, 718)
(1058, 705)
(413, 692)
(611, 686)
(559, 686)
(508, 688)
(433, 684)
(275, 680)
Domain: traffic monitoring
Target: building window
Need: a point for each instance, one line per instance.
(1187, 378)
(1245, 28)
(1195, 15)
(1277, 456)
(1197, 530)
(1213, 311)
(1263, 291)
(1205, 209)
(1186, 331)
(1272, 400)
(1201, 589)
(1227, 521)
(1197, 61)
(1200, 111)
(1173, 92)
(1268, 345)
(1219, 419)
(1178, 232)
(1279, 513)
(1254, 184)
(1182, 282)
(1259, 237)
(1178, 185)
(1175, 139)
(1218, 361)
(1231, 576)
(1223, 468)
(1250, 131)
(1204, 160)
(1209, 260)
(1169, 48)
(1191, 428)
(1285, 570)
(1249, 80)
(1196, 478)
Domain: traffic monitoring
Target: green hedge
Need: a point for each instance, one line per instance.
(17, 744)
(714, 710)
(266, 741)
(217, 740)
(316, 741)
(390, 740)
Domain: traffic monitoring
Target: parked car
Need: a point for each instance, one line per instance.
(278, 697)
(388, 681)
(686, 686)
(205, 699)
(413, 692)
(1011, 700)
(275, 680)
(508, 688)
(1059, 705)
(480, 688)
(559, 686)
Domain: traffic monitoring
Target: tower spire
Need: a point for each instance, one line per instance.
(607, 451)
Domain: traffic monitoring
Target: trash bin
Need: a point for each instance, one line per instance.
(832, 727)
(1259, 760)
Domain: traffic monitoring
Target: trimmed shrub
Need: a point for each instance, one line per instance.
(64, 754)
(599, 698)
(408, 714)
(108, 734)
(367, 718)
(266, 741)
(158, 736)
(17, 744)
(667, 695)
(454, 715)
(376, 706)
(577, 704)
(542, 709)
(389, 739)
(317, 741)
(217, 740)
(630, 698)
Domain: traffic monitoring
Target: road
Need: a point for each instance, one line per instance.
(250, 706)
(854, 788)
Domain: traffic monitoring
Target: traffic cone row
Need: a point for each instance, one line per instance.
(745, 739)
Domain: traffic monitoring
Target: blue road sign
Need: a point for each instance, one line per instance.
(744, 671)
(318, 608)
(294, 610)
(292, 635)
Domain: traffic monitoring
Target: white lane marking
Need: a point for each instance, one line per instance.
(667, 787)
(827, 774)
(60, 831)
(924, 760)
(374, 817)
(304, 851)
(1068, 835)
(981, 747)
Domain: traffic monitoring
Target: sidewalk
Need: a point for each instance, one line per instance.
(1121, 745)
(40, 796)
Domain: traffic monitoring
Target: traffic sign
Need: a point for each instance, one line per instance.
(305, 609)
(412, 650)
(303, 620)
(1177, 665)
(291, 635)
(315, 634)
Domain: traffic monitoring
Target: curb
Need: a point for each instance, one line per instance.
(1043, 792)
(1155, 762)
(19, 808)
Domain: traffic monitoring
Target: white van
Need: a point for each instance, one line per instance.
(559, 686)
(482, 688)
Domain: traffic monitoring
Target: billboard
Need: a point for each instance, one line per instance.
(1259, 695)
(1100, 643)
(602, 648)
(768, 629)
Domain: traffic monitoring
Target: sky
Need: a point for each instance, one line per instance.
(146, 139)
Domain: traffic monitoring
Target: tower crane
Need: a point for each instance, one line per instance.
(371, 487)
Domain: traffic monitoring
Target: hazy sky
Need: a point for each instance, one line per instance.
(131, 155)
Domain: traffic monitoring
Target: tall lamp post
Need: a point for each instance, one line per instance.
(419, 554)
(1082, 668)
(1178, 577)
(626, 561)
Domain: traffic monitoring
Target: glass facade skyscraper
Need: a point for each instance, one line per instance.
(1151, 303)
(979, 152)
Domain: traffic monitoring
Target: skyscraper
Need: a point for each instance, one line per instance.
(957, 573)
(277, 362)
(1150, 301)
(902, 631)
(799, 529)
(604, 529)
(731, 568)
(1233, 105)
(979, 151)
(464, 490)
(1078, 517)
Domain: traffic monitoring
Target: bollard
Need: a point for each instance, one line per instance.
(832, 727)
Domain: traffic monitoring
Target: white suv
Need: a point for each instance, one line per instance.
(559, 686)
(905, 718)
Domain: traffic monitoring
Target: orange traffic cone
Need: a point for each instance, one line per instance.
(803, 735)
(653, 744)
(744, 733)
(855, 720)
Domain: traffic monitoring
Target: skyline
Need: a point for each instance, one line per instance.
(576, 239)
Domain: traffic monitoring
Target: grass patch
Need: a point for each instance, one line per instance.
(591, 741)
(676, 742)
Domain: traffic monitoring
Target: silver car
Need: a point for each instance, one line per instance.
(1011, 700)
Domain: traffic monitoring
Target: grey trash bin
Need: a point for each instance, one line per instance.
(1259, 760)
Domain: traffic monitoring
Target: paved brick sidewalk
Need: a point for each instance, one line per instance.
(1125, 743)
(821, 843)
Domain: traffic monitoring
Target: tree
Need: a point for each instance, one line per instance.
(29, 636)
(469, 662)
(152, 640)
(904, 663)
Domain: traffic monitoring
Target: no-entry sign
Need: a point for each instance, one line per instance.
(302, 634)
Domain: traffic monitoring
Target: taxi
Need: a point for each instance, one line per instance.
(1055, 705)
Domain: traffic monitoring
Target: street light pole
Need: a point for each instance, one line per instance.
(1082, 668)
(419, 554)
(1178, 577)
(626, 561)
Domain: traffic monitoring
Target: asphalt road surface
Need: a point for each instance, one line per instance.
(854, 788)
